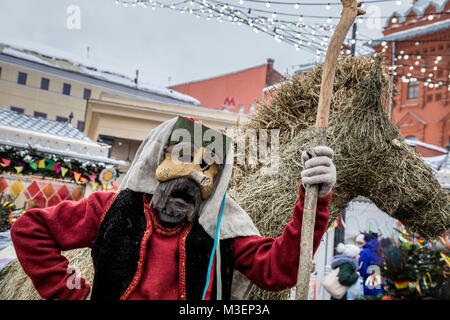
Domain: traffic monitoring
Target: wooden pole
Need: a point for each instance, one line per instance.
(349, 12)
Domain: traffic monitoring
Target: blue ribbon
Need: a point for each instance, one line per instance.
(216, 239)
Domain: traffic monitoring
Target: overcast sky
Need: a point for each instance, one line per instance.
(161, 43)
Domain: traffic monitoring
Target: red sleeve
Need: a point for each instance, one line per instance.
(272, 264)
(40, 235)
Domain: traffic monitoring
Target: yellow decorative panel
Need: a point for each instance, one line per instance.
(16, 188)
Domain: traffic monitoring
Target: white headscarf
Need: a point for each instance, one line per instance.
(141, 178)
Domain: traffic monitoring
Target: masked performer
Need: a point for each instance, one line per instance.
(171, 232)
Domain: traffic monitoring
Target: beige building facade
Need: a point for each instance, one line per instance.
(26, 96)
(57, 88)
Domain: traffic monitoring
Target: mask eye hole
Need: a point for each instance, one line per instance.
(203, 164)
(188, 158)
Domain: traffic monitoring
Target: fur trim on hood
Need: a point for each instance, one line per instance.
(340, 259)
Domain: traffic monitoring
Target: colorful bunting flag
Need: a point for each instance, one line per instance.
(446, 259)
(76, 175)
(92, 177)
(5, 163)
(94, 185)
(401, 284)
(33, 166)
(41, 164)
(50, 164)
(19, 169)
(56, 165)
(64, 171)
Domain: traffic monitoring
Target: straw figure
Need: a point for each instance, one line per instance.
(371, 156)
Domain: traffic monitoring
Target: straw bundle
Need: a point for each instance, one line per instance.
(16, 285)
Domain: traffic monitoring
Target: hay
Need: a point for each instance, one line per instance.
(368, 163)
(16, 285)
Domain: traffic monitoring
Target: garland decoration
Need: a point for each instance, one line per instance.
(32, 162)
(415, 268)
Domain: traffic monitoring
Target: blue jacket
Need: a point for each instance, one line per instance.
(370, 261)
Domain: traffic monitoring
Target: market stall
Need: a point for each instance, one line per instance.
(44, 162)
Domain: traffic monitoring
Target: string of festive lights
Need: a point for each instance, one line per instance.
(310, 37)
(409, 69)
(291, 28)
(282, 30)
(298, 4)
(287, 31)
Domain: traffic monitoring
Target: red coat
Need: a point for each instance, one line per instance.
(41, 234)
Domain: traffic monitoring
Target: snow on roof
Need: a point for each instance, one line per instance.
(438, 162)
(24, 131)
(51, 56)
(25, 122)
(419, 9)
(274, 86)
(425, 145)
(23, 55)
(413, 32)
(441, 167)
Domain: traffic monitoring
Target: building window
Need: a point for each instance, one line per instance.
(62, 119)
(87, 93)
(38, 114)
(66, 89)
(241, 109)
(22, 78)
(413, 90)
(18, 110)
(438, 97)
(80, 125)
(45, 83)
(429, 98)
(252, 108)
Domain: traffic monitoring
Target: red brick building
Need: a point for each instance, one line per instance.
(416, 44)
(236, 92)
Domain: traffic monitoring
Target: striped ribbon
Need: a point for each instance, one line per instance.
(212, 259)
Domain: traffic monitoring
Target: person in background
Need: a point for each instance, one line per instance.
(370, 261)
(346, 261)
(360, 240)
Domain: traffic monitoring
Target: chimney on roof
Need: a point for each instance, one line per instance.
(137, 77)
(270, 62)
